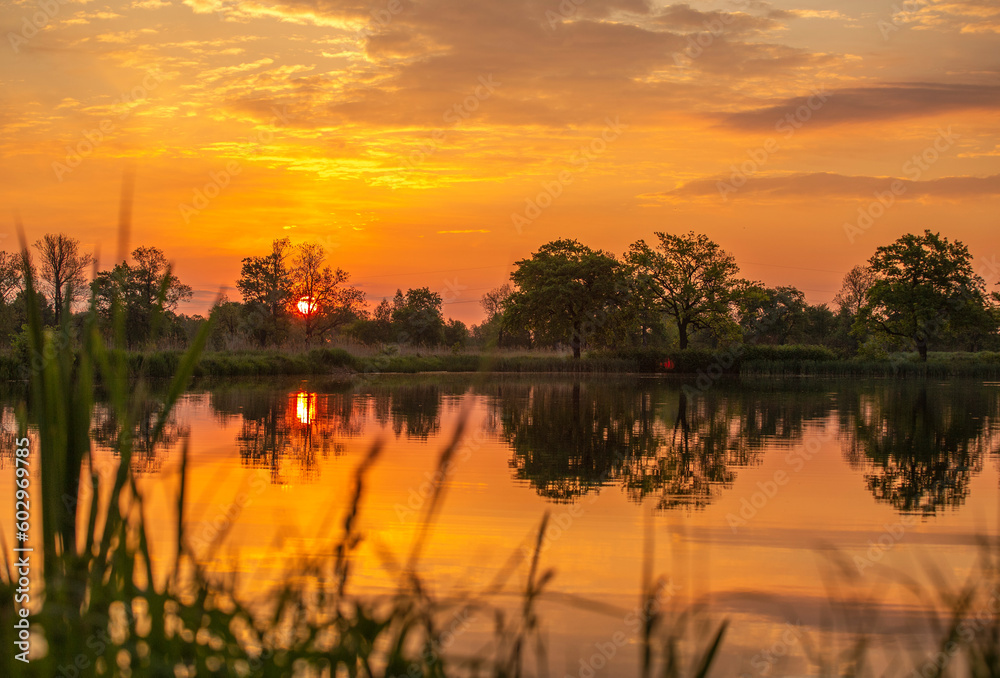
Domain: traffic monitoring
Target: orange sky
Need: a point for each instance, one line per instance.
(406, 136)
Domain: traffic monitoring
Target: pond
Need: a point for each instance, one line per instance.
(795, 509)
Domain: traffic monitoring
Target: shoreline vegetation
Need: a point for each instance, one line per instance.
(735, 361)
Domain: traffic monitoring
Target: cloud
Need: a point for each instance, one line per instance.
(873, 104)
(414, 61)
(683, 17)
(827, 185)
(968, 16)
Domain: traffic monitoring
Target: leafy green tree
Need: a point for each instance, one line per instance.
(820, 326)
(144, 290)
(228, 316)
(565, 293)
(63, 269)
(376, 329)
(266, 286)
(924, 287)
(772, 315)
(456, 334)
(690, 278)
(417, 317)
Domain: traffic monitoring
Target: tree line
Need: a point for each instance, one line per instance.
(917, 292)
(680, 291)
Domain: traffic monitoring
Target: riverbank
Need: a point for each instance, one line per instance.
(739, 360)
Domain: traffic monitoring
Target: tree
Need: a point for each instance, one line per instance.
(772, 315)
(321, 294)
(854, 290)
(924, 286)
(143, 290)
(11, 276)
(227, 316)
(417, 317)
(691, 279)
(566, 292)
(494, 300)
(63, 269)
(456, 334)
(266, 285)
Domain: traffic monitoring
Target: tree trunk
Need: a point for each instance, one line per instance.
(682, 334)
(575, 342)
(922, 349)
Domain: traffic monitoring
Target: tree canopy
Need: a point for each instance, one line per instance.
(690, 278)
(924, 287)
(566, 292)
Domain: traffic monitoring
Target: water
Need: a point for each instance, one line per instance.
(745, 496)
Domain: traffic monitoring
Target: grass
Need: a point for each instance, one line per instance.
(745, 360)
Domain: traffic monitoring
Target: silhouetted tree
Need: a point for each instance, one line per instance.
(924, 286)
(266, 285)
(62, 269)
(417, 317)
(145, 290)
(691, 279)
(324, 300)
(565, 293)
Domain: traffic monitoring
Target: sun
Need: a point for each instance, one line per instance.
(305, 305)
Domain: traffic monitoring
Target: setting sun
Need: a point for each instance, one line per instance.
(305, 305)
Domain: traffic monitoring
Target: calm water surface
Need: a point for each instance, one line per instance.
(745, 494)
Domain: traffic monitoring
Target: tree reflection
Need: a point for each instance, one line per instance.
(412, 410)
(289, 432)
(918, 445)
(147, 456)
(651, 438)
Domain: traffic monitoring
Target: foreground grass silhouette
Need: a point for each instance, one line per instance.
(101, 610)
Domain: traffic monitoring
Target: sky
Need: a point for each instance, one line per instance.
(436, 142)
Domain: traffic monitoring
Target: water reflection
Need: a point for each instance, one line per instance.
(919, 446)
(916, 446)
(651, 438)
(147, 456)
(288, 432)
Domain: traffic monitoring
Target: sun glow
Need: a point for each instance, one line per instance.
(305, 407)
(306, 306)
